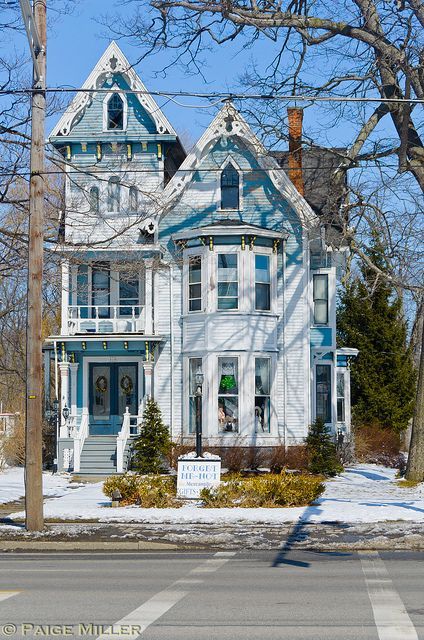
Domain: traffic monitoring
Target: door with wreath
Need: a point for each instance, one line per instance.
(113, 387)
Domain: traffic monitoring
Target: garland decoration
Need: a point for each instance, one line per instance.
(101, 384)
(126, 384)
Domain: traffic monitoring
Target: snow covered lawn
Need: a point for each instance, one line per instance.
(12, 484)
(364, 493)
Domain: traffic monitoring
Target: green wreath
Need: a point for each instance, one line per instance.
(126, 384)
(101, 384)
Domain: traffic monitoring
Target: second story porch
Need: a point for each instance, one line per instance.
(107, 296)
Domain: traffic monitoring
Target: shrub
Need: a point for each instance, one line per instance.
(255, 457)
(13, 445)
(321, 449)
(377, 445)
(176, 451)
(233, 458)
(153, 443)
(271, 490)
(147, 491)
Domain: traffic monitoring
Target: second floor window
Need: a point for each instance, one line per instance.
(133, 200)
(94, 199)
(195, 284)
(227, 281)
(262, 283)
(115, 112)
(320, 286)
(230, 182)
(114, 195)
(128, 296)
(100, 289)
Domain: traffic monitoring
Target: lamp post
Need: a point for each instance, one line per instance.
(199, 384)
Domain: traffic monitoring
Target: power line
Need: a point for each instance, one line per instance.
(220, 96)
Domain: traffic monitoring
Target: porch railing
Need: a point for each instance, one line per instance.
(130, 427)
(105, 319)
(79, 439)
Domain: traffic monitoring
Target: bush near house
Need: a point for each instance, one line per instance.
(322, 453)
(153, 444)
(378, 445)
(146, 491)
(271, 490)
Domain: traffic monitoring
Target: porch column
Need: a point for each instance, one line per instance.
(64, 395)
(148, 375)
(65, 296)
(148, 309)
(73, 367)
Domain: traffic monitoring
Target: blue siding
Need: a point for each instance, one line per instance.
(321, 337)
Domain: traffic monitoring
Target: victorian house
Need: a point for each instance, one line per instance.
(173, 265)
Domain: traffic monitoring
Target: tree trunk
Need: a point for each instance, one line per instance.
(415, 468)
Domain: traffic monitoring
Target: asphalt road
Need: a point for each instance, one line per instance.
(207, 596)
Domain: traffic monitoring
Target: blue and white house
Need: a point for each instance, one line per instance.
(177, 264)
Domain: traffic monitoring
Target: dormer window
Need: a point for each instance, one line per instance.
(94, 199)
(230, 185)
(114, 195)
(115, 112)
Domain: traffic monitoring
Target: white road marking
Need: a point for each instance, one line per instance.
(390, 616)
(136, 622)
(4, 595)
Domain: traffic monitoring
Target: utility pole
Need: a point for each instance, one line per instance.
(35, 24)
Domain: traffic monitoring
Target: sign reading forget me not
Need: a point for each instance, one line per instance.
(195, 474)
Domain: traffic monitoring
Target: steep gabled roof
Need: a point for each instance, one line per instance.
(228, 123)
(112, 61)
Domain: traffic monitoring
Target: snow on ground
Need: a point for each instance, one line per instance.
(364, 493)
(12, 484)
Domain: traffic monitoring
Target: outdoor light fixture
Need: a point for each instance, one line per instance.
(198, 379)
(84, 346)
(125, 345)
(105, 345)
(65, 413)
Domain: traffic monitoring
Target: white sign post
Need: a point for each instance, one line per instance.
(195, 474)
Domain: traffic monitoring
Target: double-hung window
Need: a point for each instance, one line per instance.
(195, 283)
(228, 395)
(129, 298)
(262, 395)
(100, 289)
(114, 195)
(262, 283)
(228, 281)
(323, 392)
(320, 286)
(230, 185)
(341, 410)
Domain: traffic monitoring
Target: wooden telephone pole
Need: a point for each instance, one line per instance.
(35, 24)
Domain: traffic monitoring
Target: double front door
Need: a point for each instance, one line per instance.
(113, 387)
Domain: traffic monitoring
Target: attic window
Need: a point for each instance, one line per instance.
(115, 112)
(230, 183)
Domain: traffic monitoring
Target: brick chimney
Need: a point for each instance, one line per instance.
(295, 117)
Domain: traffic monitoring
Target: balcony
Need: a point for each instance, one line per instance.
(92, 319)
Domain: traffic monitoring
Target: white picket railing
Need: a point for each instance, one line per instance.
(105, 319)
(79, 439)
(121, 441)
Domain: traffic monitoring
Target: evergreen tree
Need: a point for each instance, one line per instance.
(153, 442)
(321, 449)
(370, 318)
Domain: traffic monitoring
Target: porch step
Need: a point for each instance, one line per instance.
(98, 456)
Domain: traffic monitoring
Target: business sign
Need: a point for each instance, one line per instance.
(195, 474)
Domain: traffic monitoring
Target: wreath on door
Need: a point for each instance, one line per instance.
(126, 385)
(101, 384)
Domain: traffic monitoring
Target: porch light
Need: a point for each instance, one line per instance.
(55, 405)
(65, 413)
(84, 346)
(105, 345)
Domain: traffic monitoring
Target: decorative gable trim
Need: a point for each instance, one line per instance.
(226, 124)
(112, 61)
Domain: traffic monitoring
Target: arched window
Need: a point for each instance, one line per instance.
(115, 112)
(114, 194)
(133, 199)
(94, 199)
(230, 182)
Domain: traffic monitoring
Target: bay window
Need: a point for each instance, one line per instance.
(227, 281)
(323, 392)
(262, 283)
(195, 283)
(228, 394)
(320, 287)
(262, 395)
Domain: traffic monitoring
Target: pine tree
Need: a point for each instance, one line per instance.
(153, 442)
(370, 318)
(321, 449)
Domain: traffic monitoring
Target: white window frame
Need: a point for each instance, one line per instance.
(229, 159)
(105, 111)
(190, 253)
(241, 297)
(329, 363)
(320, 274)
(273, 279)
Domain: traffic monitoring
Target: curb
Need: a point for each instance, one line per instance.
(12, 545)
